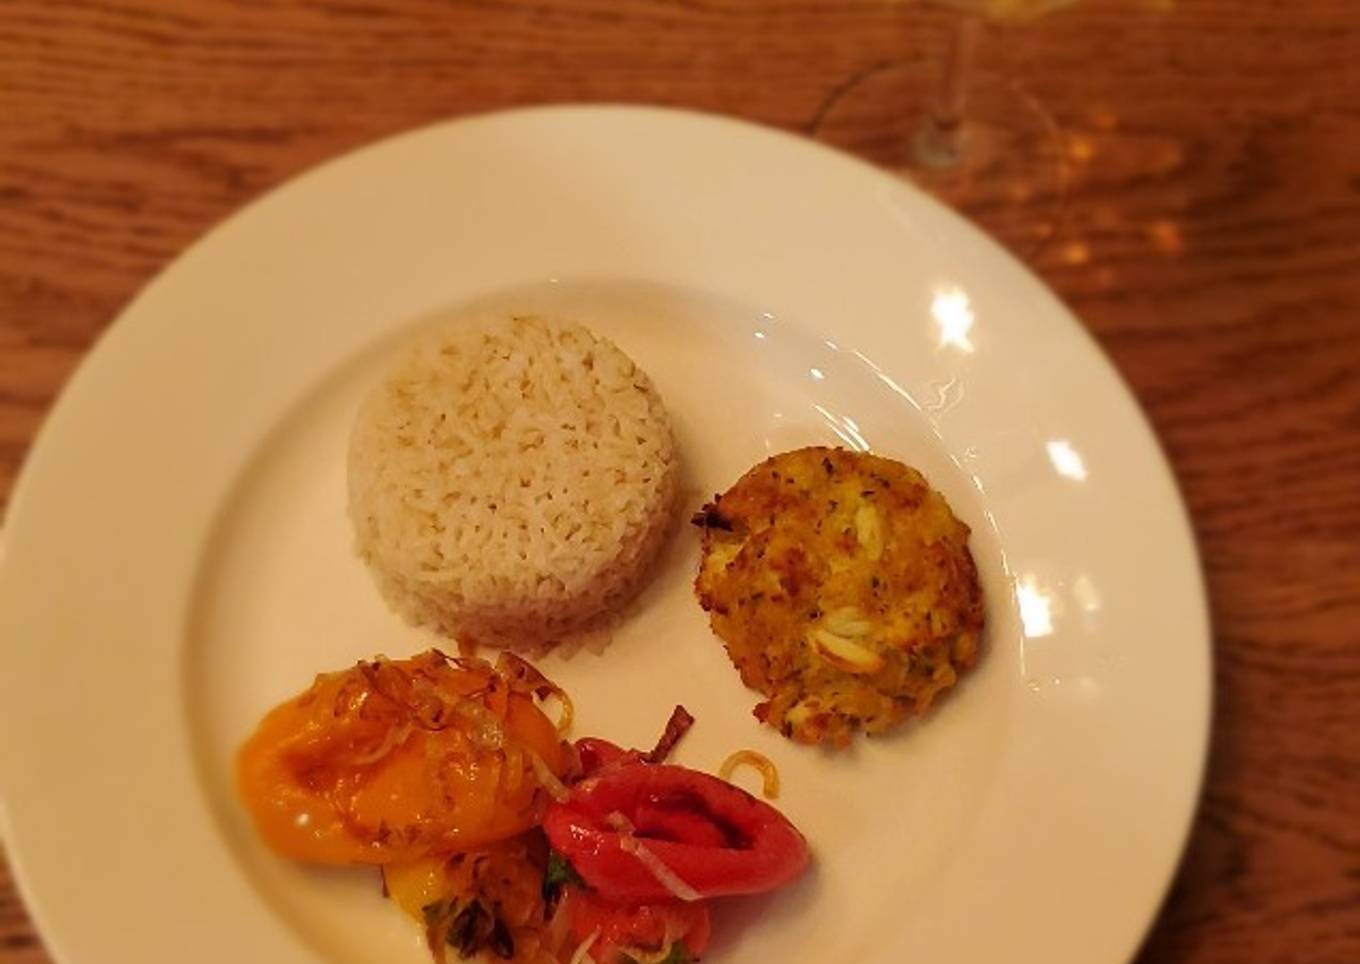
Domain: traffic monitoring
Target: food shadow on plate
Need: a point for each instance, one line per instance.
(734, 917)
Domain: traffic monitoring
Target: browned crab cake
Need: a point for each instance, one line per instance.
(842, 586)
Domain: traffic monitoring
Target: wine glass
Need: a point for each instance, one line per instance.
(976, 140)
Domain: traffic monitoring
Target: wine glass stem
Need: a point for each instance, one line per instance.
(939, 140)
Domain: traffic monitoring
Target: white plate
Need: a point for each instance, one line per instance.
(177, 558)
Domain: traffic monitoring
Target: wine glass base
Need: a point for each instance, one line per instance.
(1002, 165)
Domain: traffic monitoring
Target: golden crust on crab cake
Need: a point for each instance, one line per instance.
(843, 588)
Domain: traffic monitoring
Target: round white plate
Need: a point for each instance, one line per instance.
(177, 559)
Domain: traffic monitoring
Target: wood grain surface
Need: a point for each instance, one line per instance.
(1211, 242)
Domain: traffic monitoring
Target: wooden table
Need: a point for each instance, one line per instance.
(1211, 243)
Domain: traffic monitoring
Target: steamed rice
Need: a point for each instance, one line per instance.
(510, 482)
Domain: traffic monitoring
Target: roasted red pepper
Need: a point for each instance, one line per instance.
(715, 838)
(621, 928)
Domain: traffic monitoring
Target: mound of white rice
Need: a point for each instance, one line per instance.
(510, 482)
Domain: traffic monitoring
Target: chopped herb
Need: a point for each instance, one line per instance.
(559, 874)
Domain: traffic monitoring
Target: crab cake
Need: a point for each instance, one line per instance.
(843, 588)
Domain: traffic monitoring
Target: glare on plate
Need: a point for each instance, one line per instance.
(953, 314)
(1086, 594)
(1036, 608)
(1066, 459)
